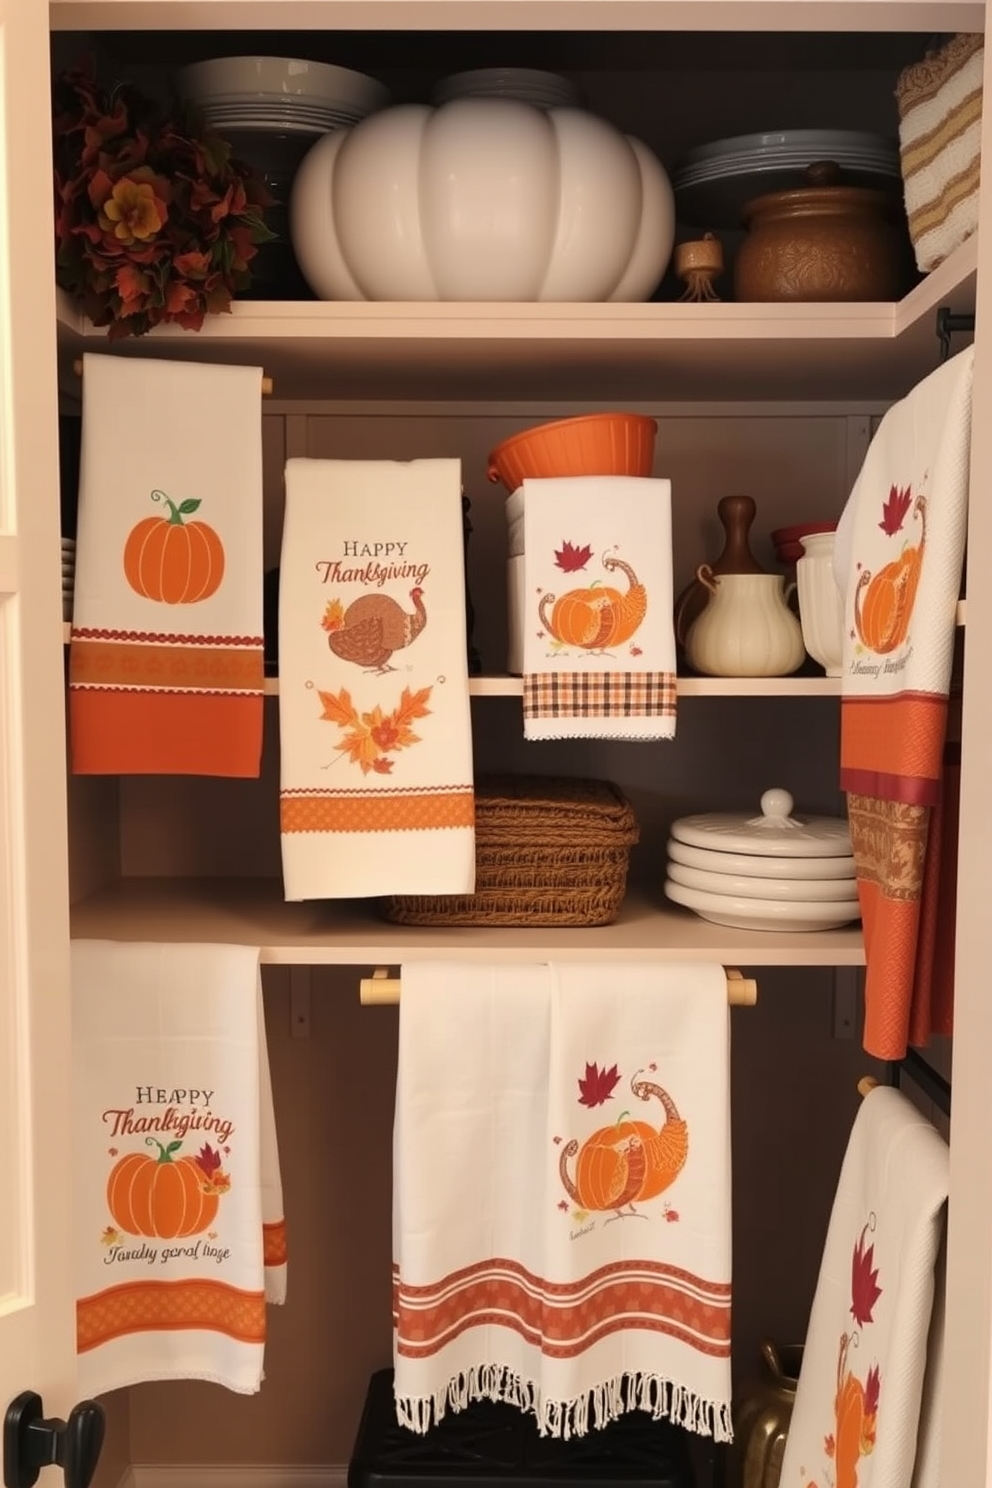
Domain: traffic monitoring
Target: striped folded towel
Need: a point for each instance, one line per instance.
(940, 128)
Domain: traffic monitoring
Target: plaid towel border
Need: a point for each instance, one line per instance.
(599, 695)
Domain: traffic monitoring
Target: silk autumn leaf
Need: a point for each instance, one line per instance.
(569, 558)
(597, 1085)
(872, 1383)
(865, 1290)
(894, 510)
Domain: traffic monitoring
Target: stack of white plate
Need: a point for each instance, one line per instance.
(775, 871)
(524, 84)
(714, 181)
(68, 575)
(282, 95)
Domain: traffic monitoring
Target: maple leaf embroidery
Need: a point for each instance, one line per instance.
(894, 510)
(207, 1160)
(570, 558)
(110, 1236)
(872, 1384)
(333, 617)
(563, 1205)
(369, 738)
(597, 1085)
(829, 1445)
(865, 1290)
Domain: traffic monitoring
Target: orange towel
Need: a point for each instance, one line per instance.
(165, 659)
(900, 553)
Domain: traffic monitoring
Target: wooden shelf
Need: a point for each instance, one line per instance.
(926, 16)
(348, 933)
(685, 352)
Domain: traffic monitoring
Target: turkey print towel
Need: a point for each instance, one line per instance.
(599, 648)
(165, 660)
(561, 1194)
(858, 1406)
(899, 552)
(377, 793)
(178, 1223)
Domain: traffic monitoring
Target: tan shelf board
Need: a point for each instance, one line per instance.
(927, 16)
(708, 352)
(253, 912)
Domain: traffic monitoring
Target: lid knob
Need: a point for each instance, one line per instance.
(777, 803)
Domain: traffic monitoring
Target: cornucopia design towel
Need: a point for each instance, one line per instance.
(377, 786)
(561, 1194)
(178, 1224)
(899, 557)
(599, 646)
(166, 672)
(857, 1417)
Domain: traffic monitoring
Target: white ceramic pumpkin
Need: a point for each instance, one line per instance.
(481, 199)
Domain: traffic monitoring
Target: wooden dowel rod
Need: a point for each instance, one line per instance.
(380, 989)
(77, 367)
(866, 1084)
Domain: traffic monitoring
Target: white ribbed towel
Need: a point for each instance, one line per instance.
(599, 645)
(376, 737)
(165, 660)
(178, 1222)
(857, 1410)
(561, 1193)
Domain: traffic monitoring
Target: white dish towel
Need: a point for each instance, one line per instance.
(561, 1199)
(178, 1219)
(376, 735)
(599, 646)
(166, 671)
(858, 1405)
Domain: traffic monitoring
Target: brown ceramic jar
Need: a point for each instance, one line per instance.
(823, 241)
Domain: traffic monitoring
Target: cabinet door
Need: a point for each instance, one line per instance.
(37, 1345)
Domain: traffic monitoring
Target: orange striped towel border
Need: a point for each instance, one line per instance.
(563, 1319)
(382, 811)
(157, 1306)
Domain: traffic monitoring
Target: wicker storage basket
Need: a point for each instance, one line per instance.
(548, 851)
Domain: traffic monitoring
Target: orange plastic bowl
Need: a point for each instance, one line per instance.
(594, 444)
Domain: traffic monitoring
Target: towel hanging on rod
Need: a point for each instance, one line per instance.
(267, 384)
(381, 989)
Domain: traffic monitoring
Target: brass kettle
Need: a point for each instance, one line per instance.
(761, 1420)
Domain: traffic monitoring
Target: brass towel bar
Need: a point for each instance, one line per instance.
(380, 987)
(77, 367)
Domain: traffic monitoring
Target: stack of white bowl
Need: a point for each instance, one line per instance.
(775, 871)
(524, 84)
(279, 95)
(68, 575)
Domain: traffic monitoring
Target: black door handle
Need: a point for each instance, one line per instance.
(31, 1442)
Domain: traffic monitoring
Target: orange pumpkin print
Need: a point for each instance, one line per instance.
(171, 560)
(597, 617)
(628, 1162)
(163, 1198)
(883, 603)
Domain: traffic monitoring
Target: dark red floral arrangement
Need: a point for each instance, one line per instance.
(154, 221)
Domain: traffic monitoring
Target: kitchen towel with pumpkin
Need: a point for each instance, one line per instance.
(858, 1404)
(599, 647)
(899, 556)
(165, 658)
(177, 1216)
(561, 1194)
(376, 736)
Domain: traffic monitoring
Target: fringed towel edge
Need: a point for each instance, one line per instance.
(662, 1399)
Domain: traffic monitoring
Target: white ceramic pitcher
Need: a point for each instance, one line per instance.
(746, 629)
(821, 608)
